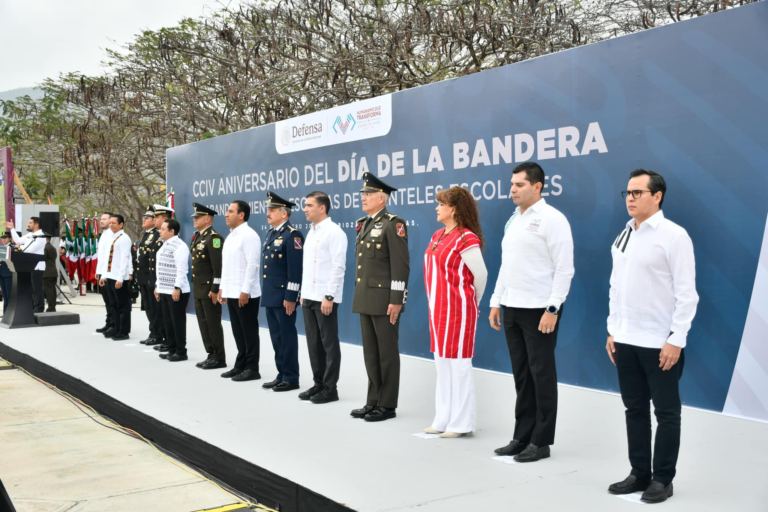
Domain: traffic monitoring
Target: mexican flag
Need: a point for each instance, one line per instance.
(94, 244)
(70, 244)
(87, 256)
(82, 261)
(170, 200)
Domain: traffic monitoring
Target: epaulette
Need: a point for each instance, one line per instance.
(391, 216)
(291, 228)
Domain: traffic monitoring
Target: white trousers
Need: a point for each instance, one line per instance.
(455, 405)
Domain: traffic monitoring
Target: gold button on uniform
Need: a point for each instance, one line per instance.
(359, 266)
(358, 279)
(265, 266)
(265, 275)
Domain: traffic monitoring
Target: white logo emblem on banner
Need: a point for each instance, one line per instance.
(357, 121)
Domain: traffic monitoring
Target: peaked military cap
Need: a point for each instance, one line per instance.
(201, 210)
(275, 201)
(373, 184)
(159, 208)
(150, 211)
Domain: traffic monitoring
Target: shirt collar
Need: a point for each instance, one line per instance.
(537, 206)
(118, 233)
(241, 227)
(37, 233)
(653, 221)
(376, 214)
(278, 228)
(319, 225)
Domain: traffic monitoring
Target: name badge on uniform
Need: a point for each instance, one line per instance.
(376, 232)
(278, 242)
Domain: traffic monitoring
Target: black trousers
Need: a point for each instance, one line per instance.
(110, 320)
(6, 285)
(245, 328)
(285, 341)
(37, 291)
(382, 359)
(121, 303)
(323, 343)
(642, 381)
(153, 310)
(49, 285)
(533, 366)
(209, 321)
(175, 319)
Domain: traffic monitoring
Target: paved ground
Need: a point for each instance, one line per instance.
(54, 458)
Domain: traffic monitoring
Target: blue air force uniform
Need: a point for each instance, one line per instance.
(282, 268)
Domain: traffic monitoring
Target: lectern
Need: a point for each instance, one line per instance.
(20, 310)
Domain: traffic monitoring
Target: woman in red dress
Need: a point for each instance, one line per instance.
(455, 278)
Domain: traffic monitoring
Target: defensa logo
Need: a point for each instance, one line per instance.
(348, 124)
(285, 137)
(306, 129)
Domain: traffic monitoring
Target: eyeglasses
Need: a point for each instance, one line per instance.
(637, 194)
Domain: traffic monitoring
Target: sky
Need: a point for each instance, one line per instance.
(42, 38)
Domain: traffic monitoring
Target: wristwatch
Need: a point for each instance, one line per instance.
(552, 310)
(329, 297)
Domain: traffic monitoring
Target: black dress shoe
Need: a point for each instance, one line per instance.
(175, 358)
(246, 375)
(120, 337)
(144, 342)
(271, 384)
(103, 329)
(532, 453)
(231, 373)
(164, 355)
(380, 414)
(513, 448)
(201, 363)
(629, 485)
(361, 412)
(657, 492)
(153, 341)
(212, 365)
(325, 396)
(162, 348)
(286, 386)
(109, 333)
(306, 395)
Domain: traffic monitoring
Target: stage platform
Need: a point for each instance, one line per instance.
(316, 457)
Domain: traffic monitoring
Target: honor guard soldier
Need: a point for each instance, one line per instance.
(205, 249)
(162, 213)
(283, 264)
(381, 280)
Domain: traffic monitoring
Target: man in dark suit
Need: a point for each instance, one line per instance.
(283, 263)
(50, 274)
(6, 276)
(381, 281)
(205, 250)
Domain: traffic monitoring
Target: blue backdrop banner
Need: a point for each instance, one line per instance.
(689, 101)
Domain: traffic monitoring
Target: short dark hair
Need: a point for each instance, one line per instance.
(109, 213)
(36, 220)
(120, 218)
(322, 199)
(243, 207)
(656, 182)
(174, 225)
(533, 172)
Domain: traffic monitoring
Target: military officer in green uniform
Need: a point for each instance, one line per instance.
(205, 249)
(381, 281)
(144, 272)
